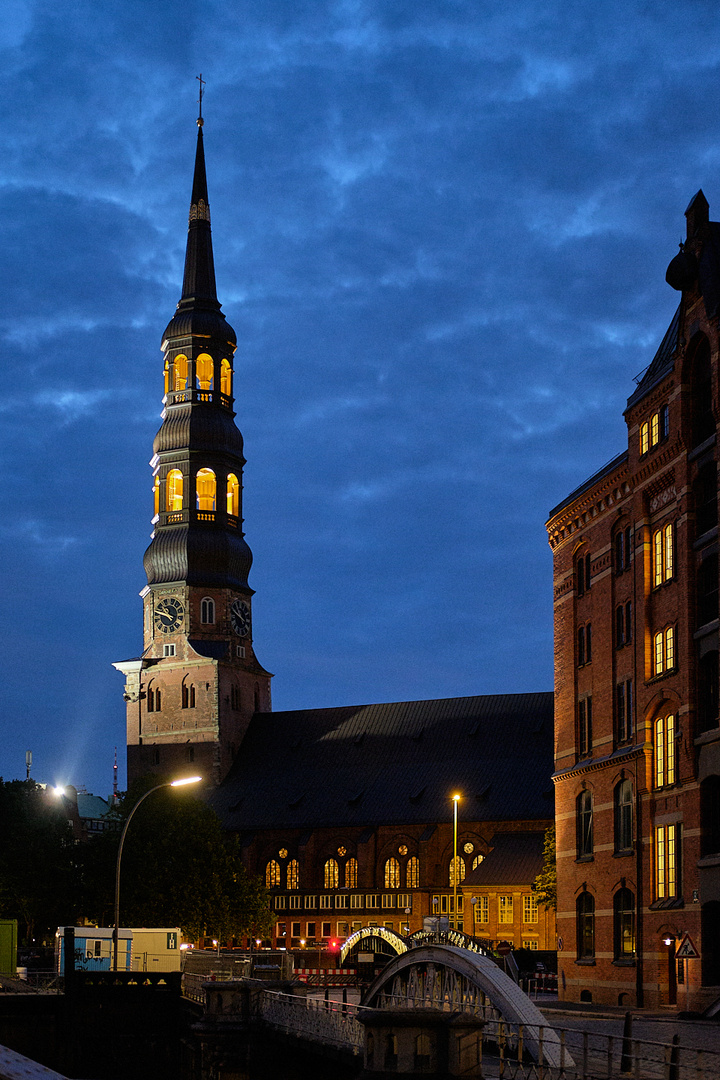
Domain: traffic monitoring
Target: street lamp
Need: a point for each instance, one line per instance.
(168, 783)
(456, 800)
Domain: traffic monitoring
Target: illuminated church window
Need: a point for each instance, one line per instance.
(272, 874)
(457, 870)
(412, 873)
(351, 874)
(331, 874)
(174, 490)
(226, 378)
(293, 875)
(180, 372)
(205, 486)
(392, 874)
(233, 495)
(204, 372)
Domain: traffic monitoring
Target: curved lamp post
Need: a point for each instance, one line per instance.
(168, 783)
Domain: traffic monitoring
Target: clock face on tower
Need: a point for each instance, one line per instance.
(169, 614)
(240, 618)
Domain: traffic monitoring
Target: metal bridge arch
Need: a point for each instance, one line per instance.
(449, 978)
(375, 934)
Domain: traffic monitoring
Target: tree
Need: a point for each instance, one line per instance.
(37, 860)
(178, 869)
(545, 884)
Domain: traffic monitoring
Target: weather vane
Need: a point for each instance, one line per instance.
(200, 115)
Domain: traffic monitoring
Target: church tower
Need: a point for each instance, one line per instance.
(192, 693)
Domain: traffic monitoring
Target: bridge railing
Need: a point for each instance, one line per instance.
(330, 1022)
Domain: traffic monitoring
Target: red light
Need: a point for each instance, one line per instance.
(333, 944)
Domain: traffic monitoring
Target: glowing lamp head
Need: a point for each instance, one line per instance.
(186, 780)
(59, 790)
(456, 798)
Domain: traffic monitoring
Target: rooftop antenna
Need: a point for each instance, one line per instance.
(115, 775)
(28, 763)
(200, 120)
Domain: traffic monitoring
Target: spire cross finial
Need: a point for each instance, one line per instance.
(200, 115)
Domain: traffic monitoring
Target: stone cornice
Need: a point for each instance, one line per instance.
(609, 491)
(627, 753)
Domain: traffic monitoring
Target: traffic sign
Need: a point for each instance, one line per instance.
(686, 949)
(504, 948)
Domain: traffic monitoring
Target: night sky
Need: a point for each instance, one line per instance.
(441, 230)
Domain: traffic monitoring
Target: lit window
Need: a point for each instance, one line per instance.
(272, 874)
(664, 651)
(624, 924)
(204, 372)
(667, 861)
(663, 555)
(530, 909)
(156, 496)
(226, 378)
(505, 909)
(457, 870)
(412, 873)
(293, 875)
(233, 495)
(180, 372)
(205, 487)
(331, 874)
(476, 861)
(655, 429)
(351, 871)
(644, 438)
(392, 874)
(207, 610)
(584, 825)
(174, 491)
(665, 751)
(482, 909)
(623, 816)
(167, 376)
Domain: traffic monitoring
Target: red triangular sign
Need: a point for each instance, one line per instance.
(686, 949)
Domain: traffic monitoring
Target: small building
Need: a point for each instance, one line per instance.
(94, 949)
(499, 903)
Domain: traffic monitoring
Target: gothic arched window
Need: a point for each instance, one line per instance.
(207, 610)
(392, 874)
(412, 873)
(457, 870)
(204, 372)
(331, 874)
(293, 874)
(233, 495)
(205, 487)
(272, 874)
(351, 874)
(174, 490)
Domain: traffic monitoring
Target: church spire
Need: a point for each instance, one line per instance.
(199, 278)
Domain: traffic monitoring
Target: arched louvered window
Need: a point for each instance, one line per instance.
(174, 490)
(204, 372)
(233, 495)
(207, 610)
(205, 487)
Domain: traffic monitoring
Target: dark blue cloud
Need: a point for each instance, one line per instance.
(441, 232)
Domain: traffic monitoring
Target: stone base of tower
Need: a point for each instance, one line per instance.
(174, 760)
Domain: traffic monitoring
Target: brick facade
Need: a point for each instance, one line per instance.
(637, 743)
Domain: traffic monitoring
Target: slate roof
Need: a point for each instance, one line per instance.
(662, 363)
(396, 763)
(516, 859)
(92, 806)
